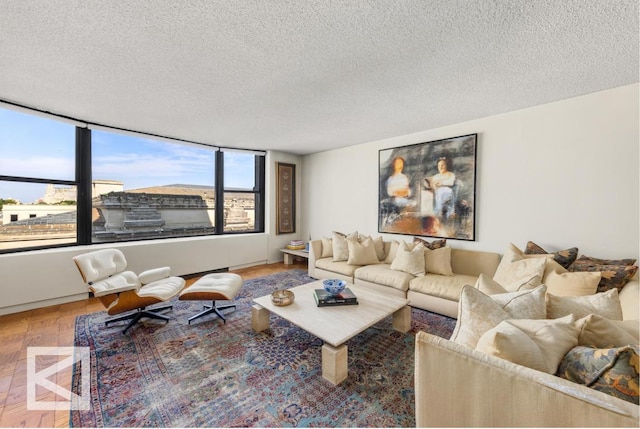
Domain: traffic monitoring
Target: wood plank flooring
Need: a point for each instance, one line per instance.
(54, 327)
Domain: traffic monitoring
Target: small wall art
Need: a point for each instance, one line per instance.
(285, 198)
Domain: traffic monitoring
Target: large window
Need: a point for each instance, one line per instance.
(62, 185)
(37, 182)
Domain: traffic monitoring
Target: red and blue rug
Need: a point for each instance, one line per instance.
(210, 374)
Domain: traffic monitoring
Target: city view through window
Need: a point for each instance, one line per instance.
(140, 187)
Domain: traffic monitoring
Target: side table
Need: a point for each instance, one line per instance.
(289, 255)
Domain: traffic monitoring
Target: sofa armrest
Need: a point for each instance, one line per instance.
(315, 250)
(459, 387)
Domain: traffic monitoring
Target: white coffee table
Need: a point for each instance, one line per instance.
(334, 325)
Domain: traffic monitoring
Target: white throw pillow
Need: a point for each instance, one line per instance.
(340, 246)
(438, 261)
(362, 253)
(477, 312)
(516, 268)
(487, 285)
(409, 261)
(327, 247)
(601, 333)
(606, 304)
(573, 283)
(539, 344)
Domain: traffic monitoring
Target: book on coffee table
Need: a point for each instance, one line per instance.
(325, 299)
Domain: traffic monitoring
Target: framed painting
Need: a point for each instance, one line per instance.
(428, 189)
(285, 198)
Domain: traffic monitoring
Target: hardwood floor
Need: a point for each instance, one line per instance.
(54, 327)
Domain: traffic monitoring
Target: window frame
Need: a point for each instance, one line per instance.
(83, 184)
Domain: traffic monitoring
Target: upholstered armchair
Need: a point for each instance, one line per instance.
(123, 291)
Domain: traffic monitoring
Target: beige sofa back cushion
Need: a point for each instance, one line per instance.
(473, 262)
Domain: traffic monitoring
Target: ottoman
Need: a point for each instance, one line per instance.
(213, 287)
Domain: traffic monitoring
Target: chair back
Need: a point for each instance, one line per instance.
(100, 264)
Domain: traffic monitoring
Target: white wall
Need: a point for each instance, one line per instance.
(562, 174)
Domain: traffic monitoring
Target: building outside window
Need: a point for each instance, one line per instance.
(140, 187)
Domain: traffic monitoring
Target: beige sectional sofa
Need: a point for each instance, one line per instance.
(433, 292)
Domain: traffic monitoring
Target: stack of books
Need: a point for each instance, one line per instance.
(325, 299)
(296, 245)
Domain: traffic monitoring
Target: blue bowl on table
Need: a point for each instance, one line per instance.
(334, 286)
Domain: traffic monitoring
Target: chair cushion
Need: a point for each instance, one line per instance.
(124, 281)
(213, 286)
(162, 289)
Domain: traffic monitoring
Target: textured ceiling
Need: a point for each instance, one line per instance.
(307, 76)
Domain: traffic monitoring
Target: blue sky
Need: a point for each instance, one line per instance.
(35, 147)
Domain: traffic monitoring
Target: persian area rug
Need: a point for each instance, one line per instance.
(214, 374)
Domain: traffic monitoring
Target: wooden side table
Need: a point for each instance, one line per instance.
(289, 255)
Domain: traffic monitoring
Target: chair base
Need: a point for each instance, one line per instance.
(208, 309)
(135, 317)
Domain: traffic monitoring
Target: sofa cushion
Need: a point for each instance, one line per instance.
(477, 312)
(488, 286)
(516, 268)
(562, 257)
(409, 259)
(362, 253)
(606, 304)
(382, 274)
(538, 344)
(438, 261)
(341, 267)
(446, 287)
(600, 332)
(572, 284)
(613, 371)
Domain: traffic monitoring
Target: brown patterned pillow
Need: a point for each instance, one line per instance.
(613, 276)
(563, 257)
(436, 244)
(597, 261)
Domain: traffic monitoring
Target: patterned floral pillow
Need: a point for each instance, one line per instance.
(613, 276)
(436, 244)
(563, 257)
(597, 261)
(613, 371)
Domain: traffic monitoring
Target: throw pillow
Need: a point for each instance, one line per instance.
(378, 243)
(572, 284)
(340, 246)
(606, 304)
(562, 257)
(613, 276)
(436, 244)
(597, 261)
(362, 253)
(393, 250)
(409, 260)
(491, 287)
(613, 371)
(438, 261)
(539, 344)
(327, 247)
(600, 332)
(477, 312)
(515, 268)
